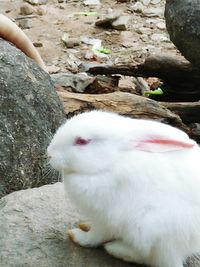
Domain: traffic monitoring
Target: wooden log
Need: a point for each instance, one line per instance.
(181, 81)
(161, 66)
(189, 112)
(123, 103)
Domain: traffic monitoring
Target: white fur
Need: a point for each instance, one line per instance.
(144, 204)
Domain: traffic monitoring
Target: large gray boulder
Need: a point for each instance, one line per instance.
(183, 24)
(33, 232)
(30, 112)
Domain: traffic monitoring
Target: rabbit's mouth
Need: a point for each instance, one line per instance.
(56, 163)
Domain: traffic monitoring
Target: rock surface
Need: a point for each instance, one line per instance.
(33, 232)
(30, 112)
(182, 21)
(77, 82)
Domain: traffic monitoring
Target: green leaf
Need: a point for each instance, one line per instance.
(103, 50)
(158, 91)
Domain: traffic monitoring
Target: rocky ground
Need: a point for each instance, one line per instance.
(142, 31)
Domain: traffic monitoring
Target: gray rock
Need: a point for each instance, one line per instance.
(153, 12)
(138, 7)
(107, 20)
(144, 30)
(30, 112)
(85, 66)
(182, 21)
(37, 2)
(160, 25)
(158, 37)
(69, 41)
(146, 2)
(121, 23)
(41, 10)
(26, 9)
(155, 2)
(72, 42)
(33, 232)
(92, 3)
(77, 82)
(24, 24)
(113, 20)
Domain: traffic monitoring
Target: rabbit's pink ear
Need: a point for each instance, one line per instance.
(159, 144)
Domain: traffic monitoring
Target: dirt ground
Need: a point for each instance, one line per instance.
(145, 33)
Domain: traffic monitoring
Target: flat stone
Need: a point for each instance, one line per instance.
(153, 12)
(121, 23)
(77, 82)
(146, 2)
(107, 20)
(155, 2)
(138, 7)
(144, 30)
(92, 3)
(161, 25)
(158, 37)
(33, 227)
(69, 41)
(37, 2)
(24, 24)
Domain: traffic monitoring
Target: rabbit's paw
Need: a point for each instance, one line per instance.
(82, 238)
(77, 236)
(121, 250)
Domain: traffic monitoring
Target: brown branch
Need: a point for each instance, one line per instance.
(181, 81)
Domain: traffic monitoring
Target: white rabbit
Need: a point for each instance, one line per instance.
(138, 182)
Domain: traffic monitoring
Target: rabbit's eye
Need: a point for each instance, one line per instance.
(81, 141)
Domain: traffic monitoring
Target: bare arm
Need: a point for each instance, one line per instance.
(12, 33)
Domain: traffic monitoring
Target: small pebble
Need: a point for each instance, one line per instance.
(37, 2)
(145, 2)
(41, 11)
(92, 3)
(161, 25)
(138, 7)
(38, 44)
(158, 37)
(153, 12)
(26, 9)
(24, 24)
(155, 2)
